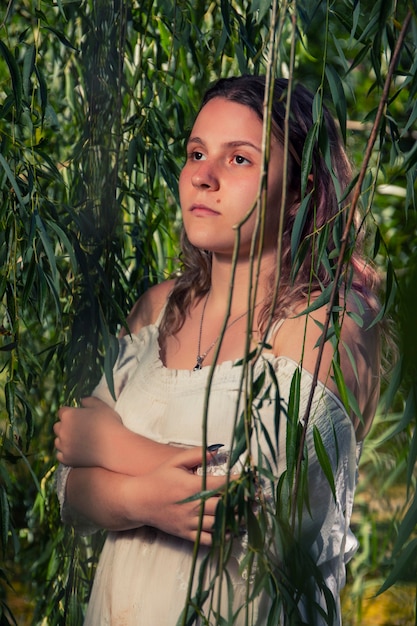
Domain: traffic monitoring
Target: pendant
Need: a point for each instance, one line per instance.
(199, 364)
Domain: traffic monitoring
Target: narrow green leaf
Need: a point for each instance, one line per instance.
(47, 246)
(317, 108)
(40, 15)
(307, 157)
(304, 249)
(258, 384)
(338, 97)
(323, 459)
(240, 442)
(362, 54)
(9, 392)
(351, 358)
(377, 242)
(331, 333)
(225, 9)
(340, 57)
(275, 611)
(299, 222)
(356, 317)
(412, 119)
(390, 286)
(401, 564)
(322, 241)
(4, 518)
(190, 614)
(354, 406)
(25, 460)
(293, 425)
(43, 92)
(255, 537)
(355, 20)
(66, 242)
(13, 181)
(28, 420)
(28, 67)
(341, 385)
(62, 38)
(132, 154)
(320, 301)
(263, 6)
(111, 346)
(15, 76)
(412, 461)
(230, 596)
(407, 526)
(53, 291)
(8, 347)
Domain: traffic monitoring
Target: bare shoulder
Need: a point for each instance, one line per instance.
(146, 310)
(359, 351)
(306, 324)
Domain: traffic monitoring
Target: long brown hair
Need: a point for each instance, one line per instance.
(311, 268)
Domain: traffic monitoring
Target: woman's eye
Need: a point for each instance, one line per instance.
(240, 160)
(195, 155)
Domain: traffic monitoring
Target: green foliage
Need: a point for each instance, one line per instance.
(96, 99)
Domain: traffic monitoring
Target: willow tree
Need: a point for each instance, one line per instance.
(96, 101)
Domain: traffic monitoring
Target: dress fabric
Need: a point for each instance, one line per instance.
(143, 574)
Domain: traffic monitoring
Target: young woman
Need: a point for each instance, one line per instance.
(132, 466)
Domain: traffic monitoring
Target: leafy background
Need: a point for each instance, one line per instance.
(96, 98)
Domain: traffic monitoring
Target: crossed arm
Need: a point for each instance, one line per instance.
(121, 480)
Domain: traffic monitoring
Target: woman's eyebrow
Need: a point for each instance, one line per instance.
(242, 143)
(196, 140)
(238, 143)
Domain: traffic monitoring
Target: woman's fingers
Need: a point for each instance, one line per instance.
(190, 458)
(95, 403)
(206, 530)
(210, 506)
(90, 402)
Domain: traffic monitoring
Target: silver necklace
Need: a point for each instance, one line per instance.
(201, 357)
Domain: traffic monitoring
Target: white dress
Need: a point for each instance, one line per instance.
(143, 574)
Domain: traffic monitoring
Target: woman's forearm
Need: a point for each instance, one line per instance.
(128, 453)
(99, 496)
(94, 436)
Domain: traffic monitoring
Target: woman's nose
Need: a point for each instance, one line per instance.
(206, 176)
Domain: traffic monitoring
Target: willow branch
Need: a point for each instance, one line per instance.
(344, 240)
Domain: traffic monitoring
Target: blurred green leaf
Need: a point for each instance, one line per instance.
(15, 76)
(406, 556)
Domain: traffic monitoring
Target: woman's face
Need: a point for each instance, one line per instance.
(220, 179)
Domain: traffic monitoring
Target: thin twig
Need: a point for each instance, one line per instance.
(9, 6)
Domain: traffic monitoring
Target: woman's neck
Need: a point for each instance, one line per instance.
(239, 284)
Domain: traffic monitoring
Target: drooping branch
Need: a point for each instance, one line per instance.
(344, 240)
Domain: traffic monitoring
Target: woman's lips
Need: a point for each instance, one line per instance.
(202, 210)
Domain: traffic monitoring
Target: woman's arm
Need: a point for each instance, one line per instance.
(359, 351)
(120, 480)
(93, 436)
(119, 502)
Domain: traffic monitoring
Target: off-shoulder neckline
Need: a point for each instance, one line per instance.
(229, 364)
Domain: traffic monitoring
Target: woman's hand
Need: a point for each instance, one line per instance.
(84, 434)
(118, 502)
(93, 436)
(157, 499)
